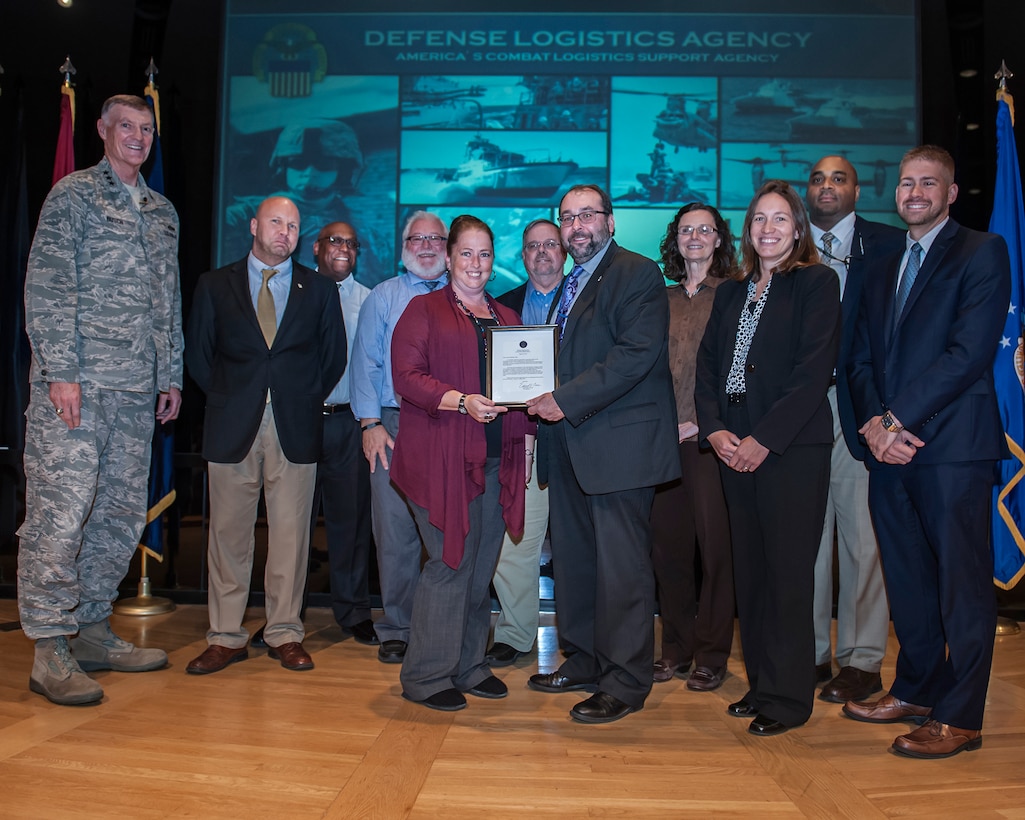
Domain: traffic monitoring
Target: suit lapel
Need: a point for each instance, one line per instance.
(238, 281)
(296, 298)
(932, 261)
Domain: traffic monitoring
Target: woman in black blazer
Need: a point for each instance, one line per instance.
(764, 366)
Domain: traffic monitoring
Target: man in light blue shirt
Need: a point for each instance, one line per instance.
(343, 478)
(376, 407)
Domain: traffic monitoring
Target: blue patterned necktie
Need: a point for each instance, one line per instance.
(907, 281)
(432, 284)
(569, 292)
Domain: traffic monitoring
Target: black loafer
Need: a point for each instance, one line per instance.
(765, 726)
(741, 709)
(557, 682)
(601, 708)
(257, 641)
(392, 652)
(447, 700)
(491, 687)
(363, 633)
(501, 654)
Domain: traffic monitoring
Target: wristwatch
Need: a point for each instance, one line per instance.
(888, 422)
(462, 405)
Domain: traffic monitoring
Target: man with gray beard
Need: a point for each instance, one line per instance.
(376, 407)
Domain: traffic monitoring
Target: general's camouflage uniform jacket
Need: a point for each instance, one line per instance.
(102, 298)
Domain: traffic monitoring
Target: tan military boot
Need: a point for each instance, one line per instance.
(97, 647)
(58, 678)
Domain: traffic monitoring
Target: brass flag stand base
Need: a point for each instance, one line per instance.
(1007, 626)
(144, 603)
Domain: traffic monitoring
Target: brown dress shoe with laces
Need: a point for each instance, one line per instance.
(887, 709)
(934, 740)
(215, 658)
(292, 656)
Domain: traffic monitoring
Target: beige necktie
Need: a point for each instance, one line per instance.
(265, 312)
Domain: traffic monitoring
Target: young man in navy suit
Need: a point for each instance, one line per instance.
(921, 373)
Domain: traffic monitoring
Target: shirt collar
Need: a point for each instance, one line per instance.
(927, 240)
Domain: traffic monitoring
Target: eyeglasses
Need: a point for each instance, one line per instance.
(351, 244)
(548, 245)
(419, 238)
(585, 217)
(704, 230)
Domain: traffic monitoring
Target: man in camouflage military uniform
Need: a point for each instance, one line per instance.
(103, 314)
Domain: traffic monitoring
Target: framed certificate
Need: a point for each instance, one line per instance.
(521, 363)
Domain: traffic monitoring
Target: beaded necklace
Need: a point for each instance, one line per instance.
(476, 321)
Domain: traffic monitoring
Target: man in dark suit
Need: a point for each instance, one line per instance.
(610, 437)
(853, 247)
(516, 575)
(266, 343)
(922, 384)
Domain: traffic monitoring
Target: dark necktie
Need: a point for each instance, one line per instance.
(569, 292)
(907, 281)
(265, 313)
(827, 244)
(432, 284)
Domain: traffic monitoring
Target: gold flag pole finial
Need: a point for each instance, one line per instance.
(67, 69)
(151, 90)
(1003, 75)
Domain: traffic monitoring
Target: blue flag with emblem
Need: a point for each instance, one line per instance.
(1008, 220)
(161, 469)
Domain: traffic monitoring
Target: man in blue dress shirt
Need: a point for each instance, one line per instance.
(376, 407)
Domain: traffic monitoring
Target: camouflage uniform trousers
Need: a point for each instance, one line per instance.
(85, 507)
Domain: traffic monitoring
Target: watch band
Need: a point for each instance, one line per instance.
(462, 405)
(890, 425)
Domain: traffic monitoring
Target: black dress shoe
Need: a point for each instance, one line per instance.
(851, 684)
(447, 700)
(823, 672)
(741, 709)
(491, 687)
(392, 652)
(257, 641)
(601, 707)
(765, 726)
(363, 632)
(557, 682)
(501, 654)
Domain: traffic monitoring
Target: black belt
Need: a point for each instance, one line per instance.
(736, 398)
(330, 409)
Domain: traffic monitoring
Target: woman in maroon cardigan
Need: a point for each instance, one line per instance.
(461, 461)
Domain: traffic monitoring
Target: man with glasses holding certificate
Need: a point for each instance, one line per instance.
(610, 437)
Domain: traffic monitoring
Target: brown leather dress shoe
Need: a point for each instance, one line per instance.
(664, 670)
(935, 740)
(887, 709)
(851, 684)
(292, 656)
(215, 658)
(706, 679)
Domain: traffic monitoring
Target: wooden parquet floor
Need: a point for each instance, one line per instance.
(257, 741)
